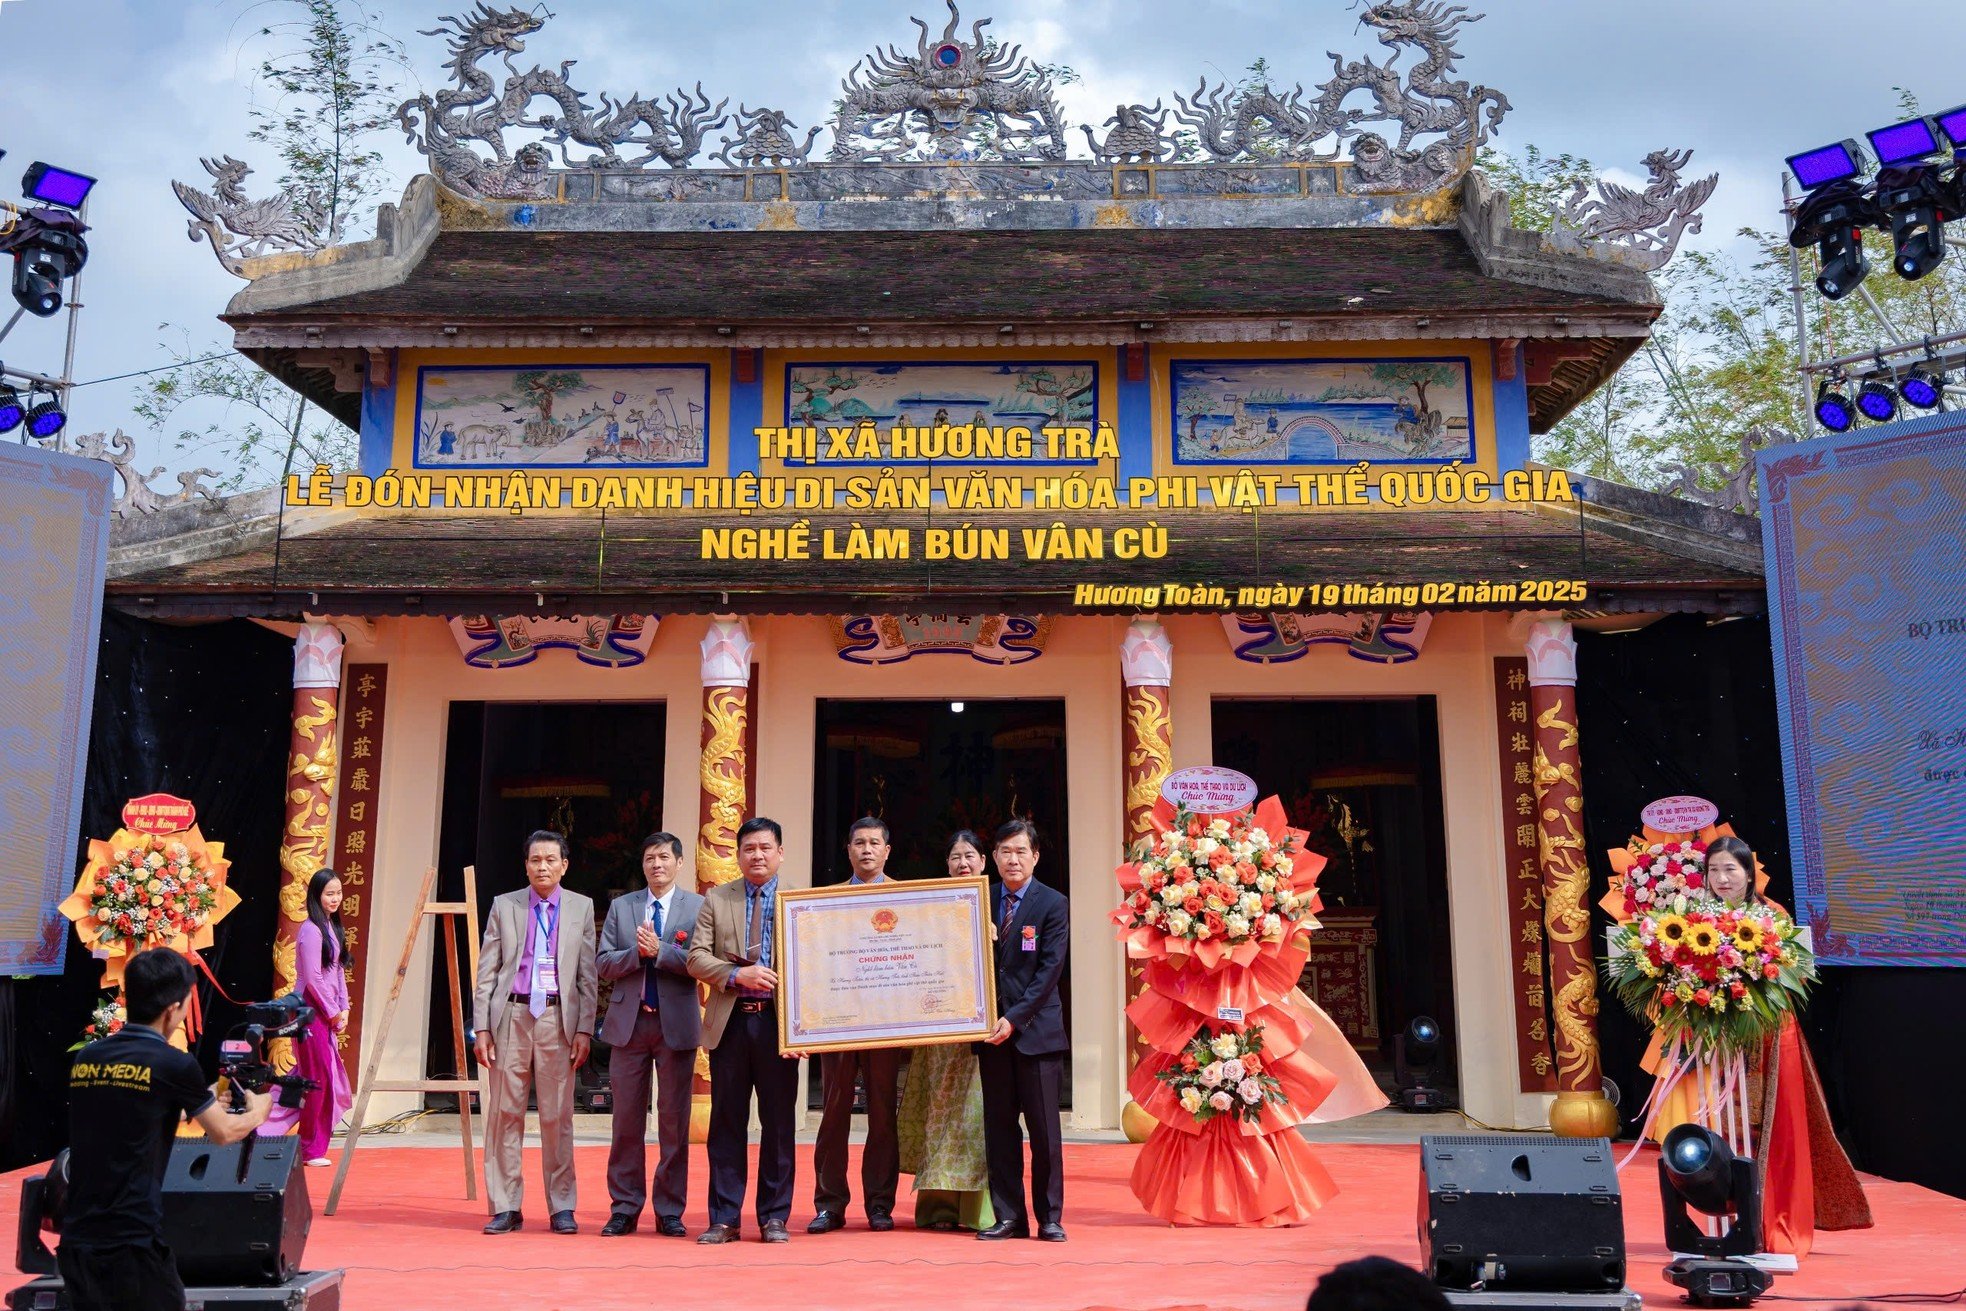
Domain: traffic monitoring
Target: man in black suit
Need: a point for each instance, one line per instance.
(653, 1028)
(1022, 1062)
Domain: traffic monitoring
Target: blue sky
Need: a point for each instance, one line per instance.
(134, 91)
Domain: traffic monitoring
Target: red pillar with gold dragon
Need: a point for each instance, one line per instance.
(1146, 757)
(1580, 1110)
(726, 652)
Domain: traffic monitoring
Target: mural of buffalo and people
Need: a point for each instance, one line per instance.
(632, 416)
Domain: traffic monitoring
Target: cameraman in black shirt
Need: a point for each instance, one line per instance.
(126, 1096)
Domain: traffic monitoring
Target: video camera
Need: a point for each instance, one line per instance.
(242, 1056)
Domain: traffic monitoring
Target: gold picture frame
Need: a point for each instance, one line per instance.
(900, 963)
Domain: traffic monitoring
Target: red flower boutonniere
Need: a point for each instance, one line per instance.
(1030, 932)
(682, 936)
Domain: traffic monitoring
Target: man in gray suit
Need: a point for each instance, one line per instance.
(653, 1028)
(535, 1001)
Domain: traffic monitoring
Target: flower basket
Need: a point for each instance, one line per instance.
(141, 890)
(1716, 981)
(1219, 910)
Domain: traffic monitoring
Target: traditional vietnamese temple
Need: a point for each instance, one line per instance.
(930, 465)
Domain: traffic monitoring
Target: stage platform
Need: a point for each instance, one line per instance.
(409, 1241)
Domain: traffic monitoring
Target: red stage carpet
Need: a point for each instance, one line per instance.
(409, 1241)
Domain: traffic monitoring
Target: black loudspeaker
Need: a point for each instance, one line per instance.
(1508, 1211)
(237, 1214)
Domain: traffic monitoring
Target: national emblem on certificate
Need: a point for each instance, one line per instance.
(891, 965)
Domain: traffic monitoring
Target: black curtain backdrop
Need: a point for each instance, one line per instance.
(1684, 707)
(200, 712)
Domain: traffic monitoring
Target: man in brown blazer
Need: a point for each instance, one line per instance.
(734, 952)
(537, 994)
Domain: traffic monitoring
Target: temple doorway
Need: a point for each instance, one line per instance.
(1363, 778)
(930, 768)
(590, 770)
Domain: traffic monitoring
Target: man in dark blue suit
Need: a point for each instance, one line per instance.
(1022, 1062)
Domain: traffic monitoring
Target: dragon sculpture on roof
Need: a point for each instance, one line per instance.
(1259, 122)
(671, 130)
(954, 100)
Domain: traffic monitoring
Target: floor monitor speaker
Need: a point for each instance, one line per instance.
(1519, 1211)
(236, 1214)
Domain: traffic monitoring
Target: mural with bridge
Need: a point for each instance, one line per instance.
(563, 416)
(1322, 411)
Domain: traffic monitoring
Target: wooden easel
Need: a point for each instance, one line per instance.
(447, 913)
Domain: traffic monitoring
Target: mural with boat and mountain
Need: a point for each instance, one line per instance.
(1009, 394)
(610, 416)
(1322, 411)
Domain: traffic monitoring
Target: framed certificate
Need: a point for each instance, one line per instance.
(894, 964)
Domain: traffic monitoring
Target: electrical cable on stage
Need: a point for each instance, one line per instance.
(1891, 1299)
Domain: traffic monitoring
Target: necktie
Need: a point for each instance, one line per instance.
(756, 936)
(542, 961)
(649, 998)
(1010, 900)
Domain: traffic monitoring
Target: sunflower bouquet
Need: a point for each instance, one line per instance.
(1713, 977)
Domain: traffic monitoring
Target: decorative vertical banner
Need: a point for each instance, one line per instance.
(1535, 1071)
(1146, 756)
(355, 824)
(1580, 1110)
(311, 761)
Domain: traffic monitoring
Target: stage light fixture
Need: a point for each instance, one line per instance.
(1906, 142)
(1416, 1052)
(1915, 202)
(46, 418)
(1833, 220)
(1953, 123)
(48, 249)
(1827, 164)
(1697, 1169)
(1877, 402)
(1923, 388)
(1833, 409)
(55, 186)
(12, 410)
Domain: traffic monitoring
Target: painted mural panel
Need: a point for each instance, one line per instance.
(1323, 411)
(1029, 394)
(563, 416)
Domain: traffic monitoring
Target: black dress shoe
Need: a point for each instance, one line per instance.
(618, 1225)
(775, 1232)
(719, 1234)
(1051, 1233)
(826, 1222)
(879, 1221)
(1003, 1229)
(506, 1222)
(671, 1226)
(563, 1223)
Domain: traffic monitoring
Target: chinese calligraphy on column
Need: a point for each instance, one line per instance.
(1535, 1070)
(358, 798)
